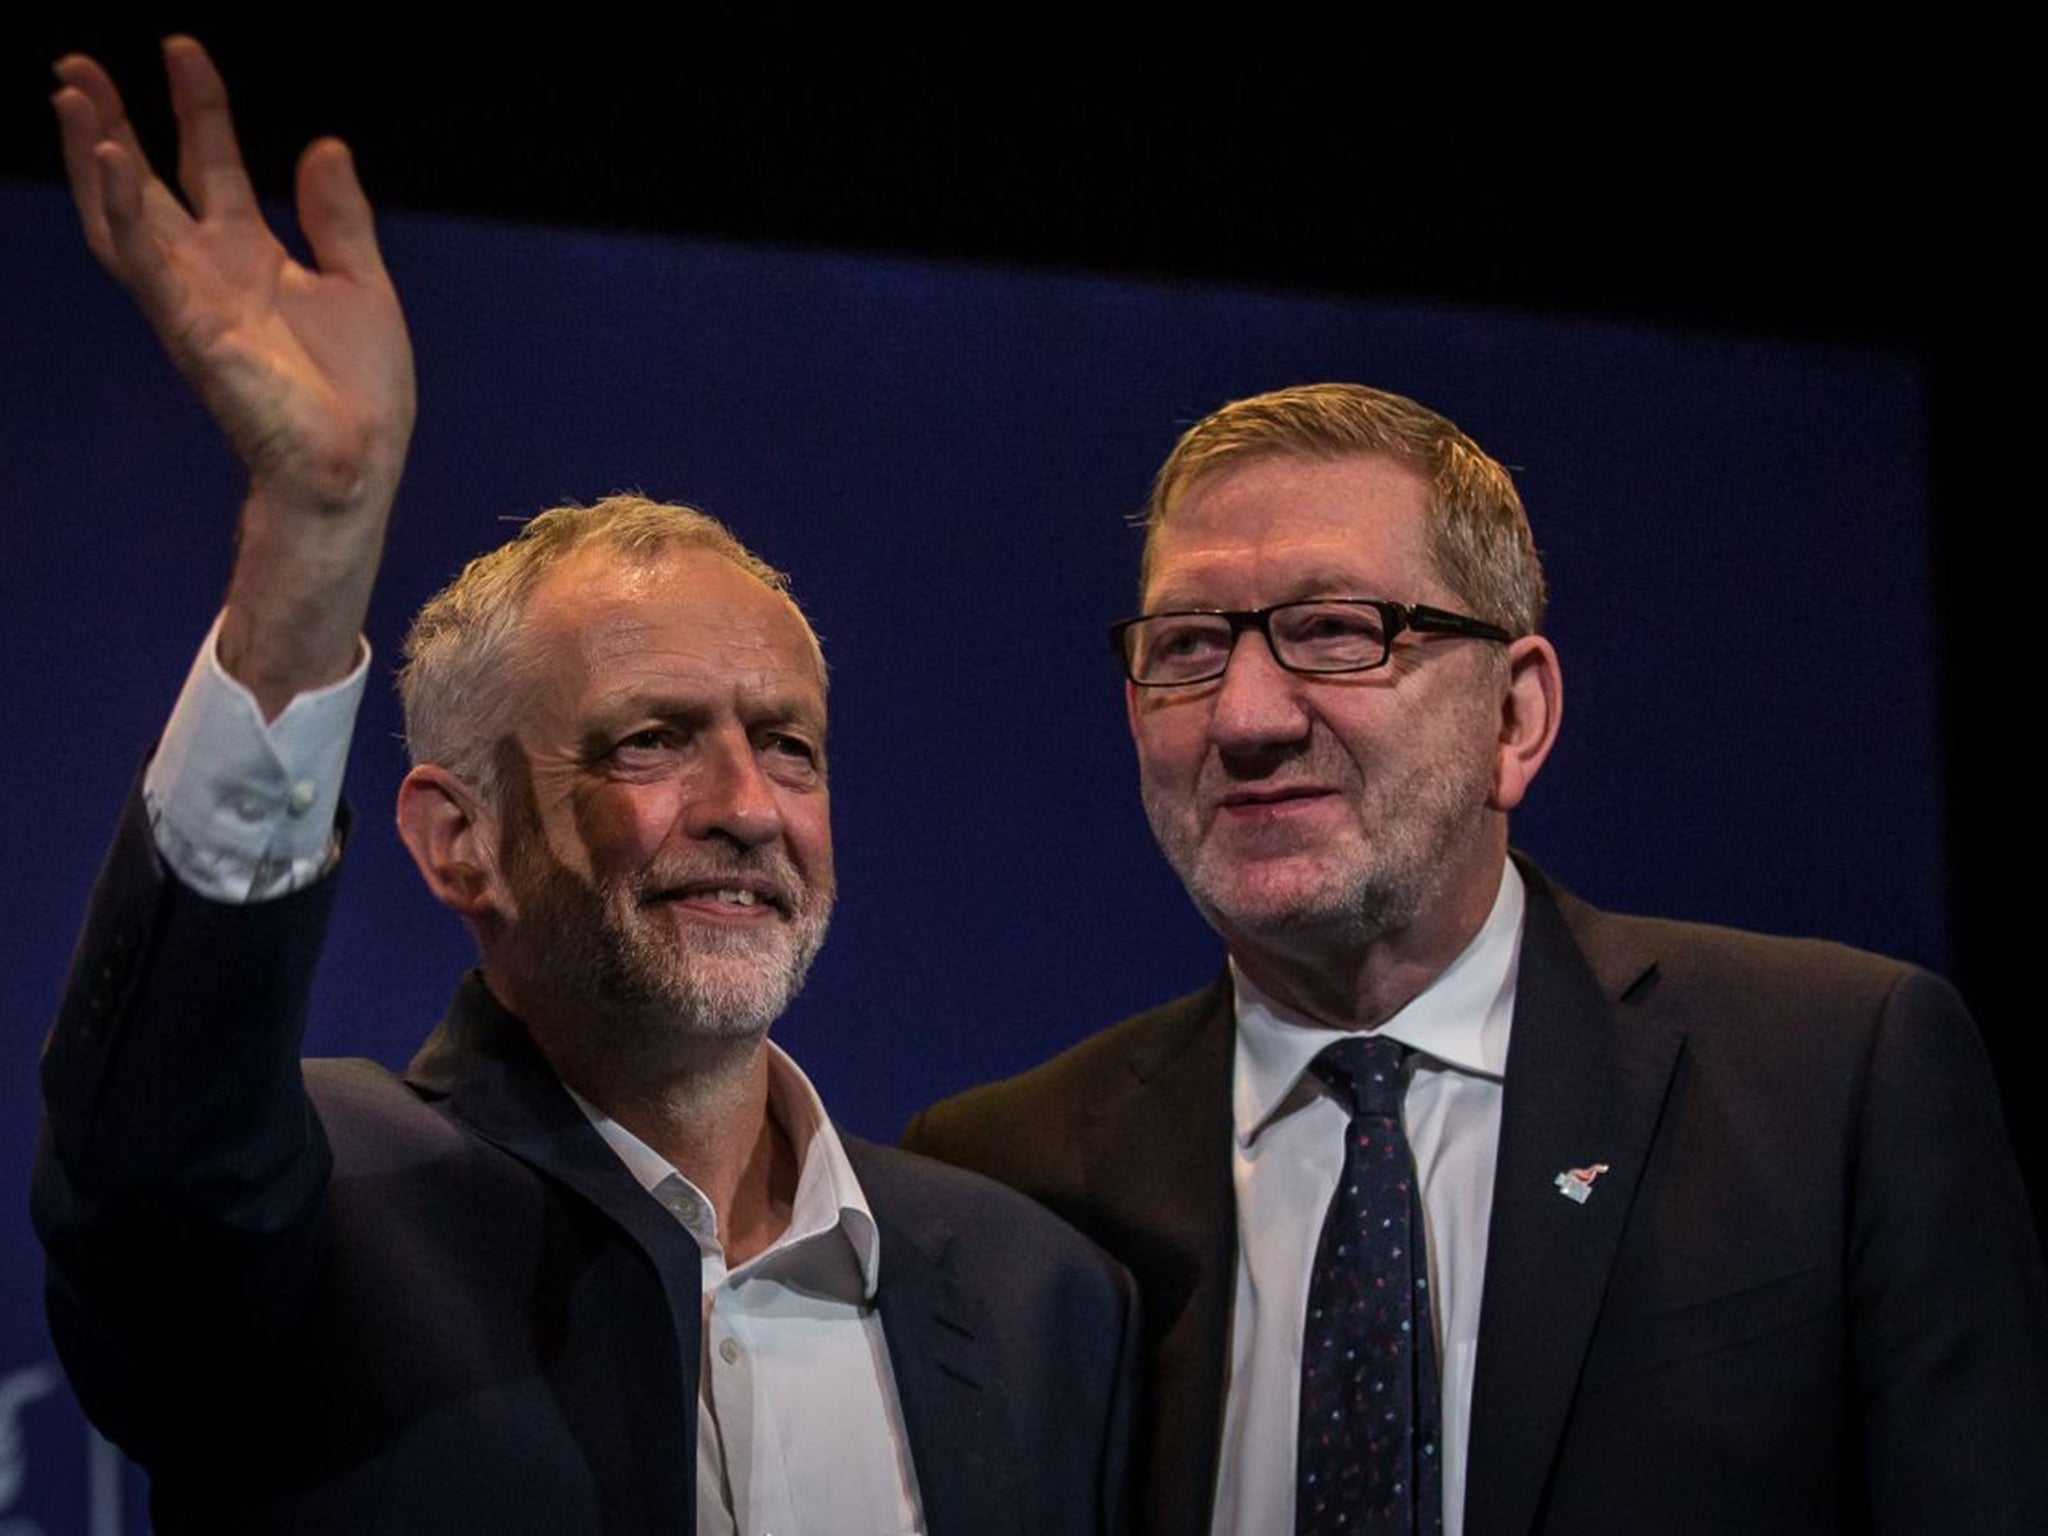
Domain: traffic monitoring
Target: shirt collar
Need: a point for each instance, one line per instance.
(1459, 1021)
(829, 1207)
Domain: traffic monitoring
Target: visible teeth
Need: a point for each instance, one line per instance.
(737, 898)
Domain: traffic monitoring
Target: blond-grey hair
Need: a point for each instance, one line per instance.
(462, 667)
(1478, 536)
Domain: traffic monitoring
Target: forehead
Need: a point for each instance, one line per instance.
(1283, 527)
(682, 617)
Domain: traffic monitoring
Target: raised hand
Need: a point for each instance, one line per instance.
(307, 369)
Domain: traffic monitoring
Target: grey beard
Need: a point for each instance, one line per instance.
(723, 985)
(1353, 916)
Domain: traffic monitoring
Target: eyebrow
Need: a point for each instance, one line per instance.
(754, 709)
(1318, 583)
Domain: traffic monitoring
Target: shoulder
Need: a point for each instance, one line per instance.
(1807, 1029)
(1067, 1088)
(1704, 968)
(920, 1194)
(373, 1116)
(999, 1240)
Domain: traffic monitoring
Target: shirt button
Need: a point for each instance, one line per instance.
(248, 805)
(302, 797)
(728, 1351)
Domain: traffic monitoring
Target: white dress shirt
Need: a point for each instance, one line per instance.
(799, 1432)
(1287, 1152)
(795, 1367)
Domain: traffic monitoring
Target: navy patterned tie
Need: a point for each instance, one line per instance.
(1367, 1462)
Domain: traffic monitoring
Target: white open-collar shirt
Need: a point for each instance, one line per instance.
(794, 1385)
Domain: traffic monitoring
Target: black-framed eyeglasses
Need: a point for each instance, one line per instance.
(1316, 637)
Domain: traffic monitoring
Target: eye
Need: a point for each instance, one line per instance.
(1331, 635)
(1188, 637)
(1176, 645)
(1329, 621)
(796, 751)
(639, 746)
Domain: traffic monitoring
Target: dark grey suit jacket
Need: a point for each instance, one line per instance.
(315, 1297)
(1807, 1296)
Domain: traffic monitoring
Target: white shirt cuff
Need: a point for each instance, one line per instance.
(243, 811)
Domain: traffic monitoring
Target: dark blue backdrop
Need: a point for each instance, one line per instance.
(945, 458)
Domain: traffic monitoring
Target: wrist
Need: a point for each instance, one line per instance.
(299, 594)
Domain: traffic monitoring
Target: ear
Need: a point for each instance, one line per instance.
(1531, 708)
(1131, 707)
(453, 839)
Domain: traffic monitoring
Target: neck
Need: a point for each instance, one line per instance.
(705, 1109)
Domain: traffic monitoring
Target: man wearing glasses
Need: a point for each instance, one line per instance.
(1456, 1204)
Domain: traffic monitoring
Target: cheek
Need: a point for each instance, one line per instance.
(1171, 744)
(807, 828)
(623, 824)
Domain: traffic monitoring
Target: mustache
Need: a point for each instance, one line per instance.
(1277, 766)
(769, 873)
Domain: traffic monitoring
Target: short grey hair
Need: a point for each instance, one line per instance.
(461, 670)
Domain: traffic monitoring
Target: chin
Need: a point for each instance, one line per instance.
(730, 985)
(724, 1008)
(1325, 903)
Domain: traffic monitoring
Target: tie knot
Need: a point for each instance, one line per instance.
(1364, 1071)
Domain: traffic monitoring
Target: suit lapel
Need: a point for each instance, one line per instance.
(482, 1063)
(1160, 1196)
(494, 1080)
(955, 1412)
(1585, 1086)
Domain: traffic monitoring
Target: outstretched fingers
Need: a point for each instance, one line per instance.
(89, 115)
(124, 208)
(334, 213)
(133, 252)
(109, 120)
(209, 159)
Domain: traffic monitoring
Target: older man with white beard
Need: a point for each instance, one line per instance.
(598, 1261)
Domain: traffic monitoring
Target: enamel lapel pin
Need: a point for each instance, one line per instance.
(1576, 1184)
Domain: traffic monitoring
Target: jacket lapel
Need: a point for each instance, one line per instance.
(955, 1413)
(1586, 1084)
(481, 1060)
(1160, 1197)
(483, 1065)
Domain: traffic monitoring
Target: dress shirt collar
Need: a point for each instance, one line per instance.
(829, 1217)
(1460, 1020)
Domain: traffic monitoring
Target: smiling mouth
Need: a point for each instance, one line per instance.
(1264, 799)
(730, 900)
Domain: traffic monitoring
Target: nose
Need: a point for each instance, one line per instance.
(1258, 702)
(733, 798)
